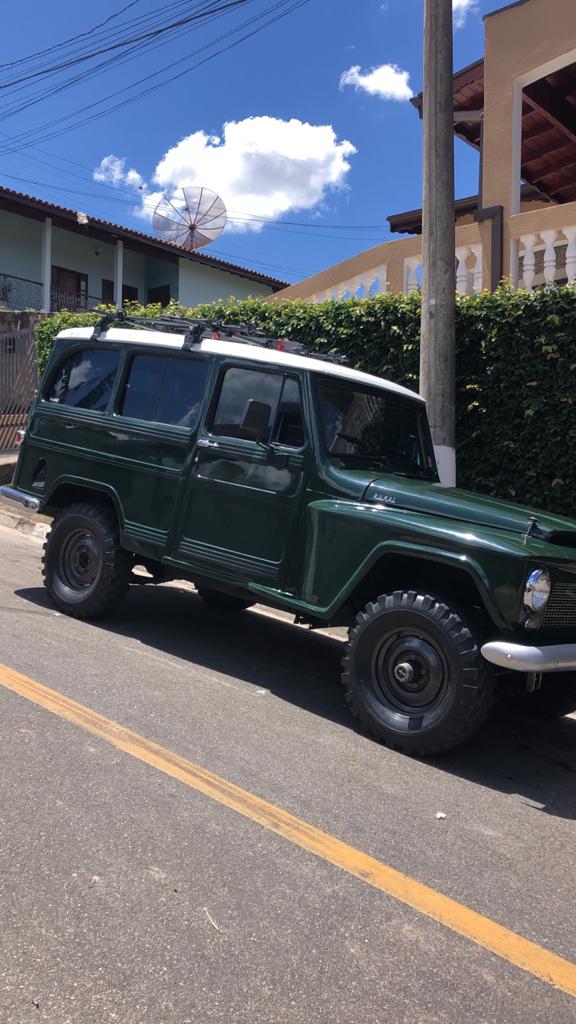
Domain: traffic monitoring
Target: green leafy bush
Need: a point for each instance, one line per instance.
(516, 363)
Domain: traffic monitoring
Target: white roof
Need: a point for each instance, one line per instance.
(239, 350)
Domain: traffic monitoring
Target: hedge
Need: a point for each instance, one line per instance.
(516, 362)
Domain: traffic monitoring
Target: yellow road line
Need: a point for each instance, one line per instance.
(479, 929)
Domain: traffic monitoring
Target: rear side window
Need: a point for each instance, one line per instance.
(164, 390)
(85, 379)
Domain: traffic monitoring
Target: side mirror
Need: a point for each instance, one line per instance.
(255, 424)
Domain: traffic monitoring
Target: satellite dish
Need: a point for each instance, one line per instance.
(192, 221)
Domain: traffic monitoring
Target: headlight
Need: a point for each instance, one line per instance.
(537, 592)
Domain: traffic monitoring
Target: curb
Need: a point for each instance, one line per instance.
(30, 523)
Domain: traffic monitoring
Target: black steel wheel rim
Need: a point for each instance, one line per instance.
(409, 672)
(79, 561)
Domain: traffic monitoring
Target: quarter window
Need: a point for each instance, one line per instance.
(85, 379)
(165, 390)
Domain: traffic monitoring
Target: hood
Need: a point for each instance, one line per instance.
(467, 507)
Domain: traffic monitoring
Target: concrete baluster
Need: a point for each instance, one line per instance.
(462, 269)
(549, 237)
(476, 251)
(529, 241)
(570, 233)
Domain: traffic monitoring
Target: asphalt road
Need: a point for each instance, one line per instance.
(127, 896)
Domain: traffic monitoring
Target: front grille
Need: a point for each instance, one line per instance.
(561, 608)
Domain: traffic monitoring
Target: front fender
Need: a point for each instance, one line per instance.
(346, 539)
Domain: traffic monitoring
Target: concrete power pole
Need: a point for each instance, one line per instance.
(437, 353)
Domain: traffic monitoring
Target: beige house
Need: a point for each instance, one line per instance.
(517, 107)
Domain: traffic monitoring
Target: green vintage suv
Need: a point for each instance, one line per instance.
(263, 474)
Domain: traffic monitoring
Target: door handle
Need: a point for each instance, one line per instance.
(204, 443)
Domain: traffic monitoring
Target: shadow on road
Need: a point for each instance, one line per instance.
(535, 759)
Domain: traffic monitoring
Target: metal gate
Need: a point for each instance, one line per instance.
(18, 382)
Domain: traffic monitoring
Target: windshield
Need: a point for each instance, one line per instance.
(375, 428)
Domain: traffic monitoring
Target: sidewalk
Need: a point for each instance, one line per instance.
(30, 523)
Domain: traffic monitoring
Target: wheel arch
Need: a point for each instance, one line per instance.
(447, 577)
(69, 490)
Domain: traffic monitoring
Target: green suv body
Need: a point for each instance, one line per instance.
(266, 475)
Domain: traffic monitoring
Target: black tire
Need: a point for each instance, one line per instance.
(224, 602)
(414, 675)
(556, 698)
(85, 570)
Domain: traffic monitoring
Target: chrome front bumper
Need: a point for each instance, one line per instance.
(521, 658)
(10, 496)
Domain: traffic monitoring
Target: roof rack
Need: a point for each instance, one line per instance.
(196, 330)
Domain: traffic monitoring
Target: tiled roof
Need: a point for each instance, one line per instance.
(43, 205)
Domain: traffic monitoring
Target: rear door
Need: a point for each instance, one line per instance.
(244, 495)
(123, 423)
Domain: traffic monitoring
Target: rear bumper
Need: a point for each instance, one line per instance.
(521, 658)
(10, 496)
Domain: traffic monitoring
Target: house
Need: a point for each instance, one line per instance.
(517, 108)
(53, 258)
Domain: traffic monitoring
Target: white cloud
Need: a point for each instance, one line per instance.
(462, 8)
(112, 171)
(387, 81)
(261, 166)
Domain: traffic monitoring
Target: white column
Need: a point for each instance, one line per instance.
(46, 263)
(571, 253)
(411, 265)
(549, 237)
(529, 241)
(118, 273)
(462, 270)
(476, 251)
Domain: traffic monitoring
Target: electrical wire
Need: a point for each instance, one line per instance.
(42, 95)
(277, 11)
(71, 39)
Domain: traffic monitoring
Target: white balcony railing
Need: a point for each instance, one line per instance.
(547, 257)
(468, 270)
(372, 282)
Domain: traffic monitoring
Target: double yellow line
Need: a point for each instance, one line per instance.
(460, 919)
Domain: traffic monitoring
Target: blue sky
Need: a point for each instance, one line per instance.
(315, 145)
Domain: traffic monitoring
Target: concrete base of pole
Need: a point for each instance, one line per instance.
(446, 459)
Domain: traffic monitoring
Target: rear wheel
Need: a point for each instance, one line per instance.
(224, 602)
(414, 675)
(86, 571)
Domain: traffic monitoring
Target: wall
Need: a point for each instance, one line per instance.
(519, 42)
(159, 272)
(20, 246)
(76, 252)
(200, 283)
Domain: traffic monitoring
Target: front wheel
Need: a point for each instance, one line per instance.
(414, 674)
(86, 571)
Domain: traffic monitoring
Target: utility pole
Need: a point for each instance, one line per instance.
(437, 352)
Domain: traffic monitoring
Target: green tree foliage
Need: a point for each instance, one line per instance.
(516, 373)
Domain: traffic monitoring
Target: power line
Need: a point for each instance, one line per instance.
(154, 40)
(65, 42)
(267, 224)
(277, 11)
(130, 40)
